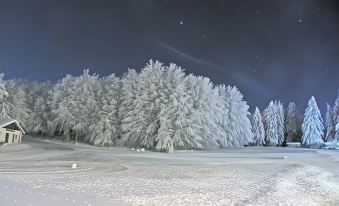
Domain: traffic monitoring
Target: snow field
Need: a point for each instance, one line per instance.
(248, 176)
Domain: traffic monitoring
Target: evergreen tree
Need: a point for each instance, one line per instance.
(178, 127)
(105, 131)
(313, 125)
(280, 119)
(3, 91)
(271, 125)
(330, 125)
(128, 96)
(237, 127)
(140, 124)
(76, 105)
(12, 99)
(37, 97)
(206, 110)
(164, 110)
(291, 121)
(258, 128)
(335, 113)
(61, 117)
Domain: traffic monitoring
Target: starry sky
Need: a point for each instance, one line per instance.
(286, 50)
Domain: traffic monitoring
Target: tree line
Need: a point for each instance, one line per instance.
(159, 108)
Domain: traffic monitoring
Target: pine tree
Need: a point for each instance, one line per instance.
(313, 125)
(126, 110)
(84, 104)
(105, 131)
(175, 123)
(291, 121)
(61, 117)
(206, 111)
(330, 125)
(37, 97)
(76, 105)
(3, 91)
(258, 128)
(12, 99)
(280, 119)
(140, 124)
(271, 125)
(162, 109)
(335, 113)
(237, 126)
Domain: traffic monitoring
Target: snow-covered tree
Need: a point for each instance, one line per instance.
(179, 126)
(258, 128)
(62, 119)
(84, 104)
(206, 112)
(128, 98)
(271, 125)
(313, 129)
(237, 126)
(335, 113)
(280, 119)
(162, 109)
(105, 131)
(76, 106)
(330, 124)
(12, 100)
(37, 97)
(274, 123)
(291, 121)
(140, 125)
(3, 91)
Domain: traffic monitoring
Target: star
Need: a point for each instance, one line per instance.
(300, 20)
(181, 22)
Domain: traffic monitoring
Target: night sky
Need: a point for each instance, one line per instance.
(287, 50)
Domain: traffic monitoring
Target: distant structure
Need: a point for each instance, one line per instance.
(10, 131)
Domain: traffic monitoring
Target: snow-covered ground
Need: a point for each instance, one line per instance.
(39, 173)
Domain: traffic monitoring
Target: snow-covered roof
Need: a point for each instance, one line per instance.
(4, 121)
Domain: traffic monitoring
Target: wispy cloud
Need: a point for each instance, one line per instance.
(248, 82)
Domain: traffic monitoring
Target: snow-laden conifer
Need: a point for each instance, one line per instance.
(281, 121)
(258, 128)
(312, 127)
(330, 124)
(237, 125)
(206, 111)
(271, 125)
(291, 121)
(104, 132)
(335, 113)
(140, 124)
